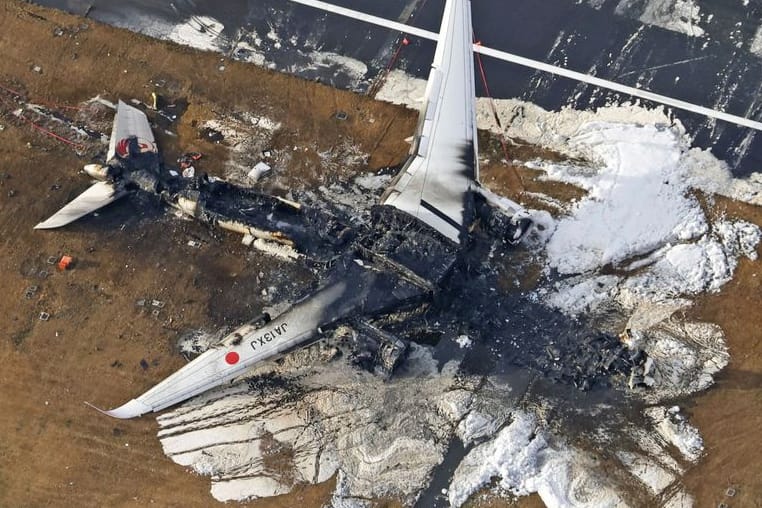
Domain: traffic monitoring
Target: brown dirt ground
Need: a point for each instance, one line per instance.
(54, 451)
(729, 415)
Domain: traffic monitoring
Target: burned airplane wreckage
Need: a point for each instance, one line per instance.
(421, 261)
(134, 166)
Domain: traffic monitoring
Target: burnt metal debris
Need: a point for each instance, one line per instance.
(212, 135)
(402, 276)
(402, 280)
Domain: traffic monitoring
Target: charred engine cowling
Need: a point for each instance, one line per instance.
(498, 223)
(376, 350)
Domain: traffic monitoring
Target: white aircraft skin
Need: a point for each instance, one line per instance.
(96, 196)
(128, 122)
(443, 165)
(236, 353)
(435, 186)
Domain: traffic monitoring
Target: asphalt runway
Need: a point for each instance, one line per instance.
(712, 59)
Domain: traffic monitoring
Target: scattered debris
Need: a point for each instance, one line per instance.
(37, 69)
(341, 115)
(143, 364)
(188, 159)
(194, 243)
(171, 112)
(141, 303)
(157, 303)
(30, 292)
(52, 260)
(49, 120)
(279, 250)
(212, 135)
(44, 316)
(258, 171)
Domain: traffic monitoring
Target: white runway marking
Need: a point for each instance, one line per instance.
(374, 20)
(541, 66)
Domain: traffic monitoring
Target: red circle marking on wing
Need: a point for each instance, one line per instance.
(232, 358)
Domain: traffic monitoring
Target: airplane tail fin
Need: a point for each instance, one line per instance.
(131, 135)
(130, 122)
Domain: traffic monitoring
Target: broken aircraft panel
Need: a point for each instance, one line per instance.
(398, 262)
(354, 287)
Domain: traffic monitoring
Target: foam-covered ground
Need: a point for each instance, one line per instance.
(638, 244)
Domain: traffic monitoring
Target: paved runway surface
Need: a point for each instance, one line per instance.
(709, 56)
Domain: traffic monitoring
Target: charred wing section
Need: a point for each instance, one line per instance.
(408, 245)
(310, 231)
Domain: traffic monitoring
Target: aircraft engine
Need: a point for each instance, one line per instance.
(97, 171)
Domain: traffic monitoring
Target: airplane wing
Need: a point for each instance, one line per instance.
(130, 122)
(96, 196)
(434, 186)
(237, 352)
(434, 183)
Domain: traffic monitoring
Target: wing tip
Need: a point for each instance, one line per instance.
(131, 409)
